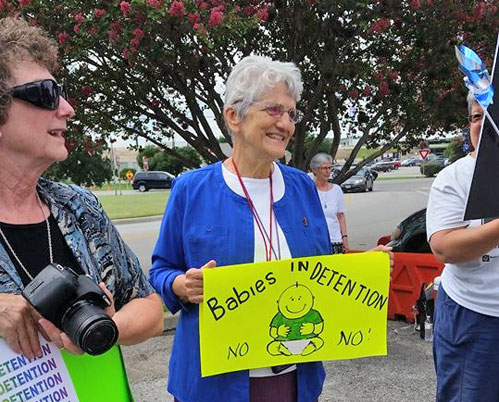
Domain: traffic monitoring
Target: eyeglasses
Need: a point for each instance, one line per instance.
(475, 117)
(325, 167)
(45, 93)
(275, 110)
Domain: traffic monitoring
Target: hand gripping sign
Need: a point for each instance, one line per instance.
(60, 376)
(292, 311)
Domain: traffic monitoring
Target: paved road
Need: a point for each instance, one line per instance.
(405, 374)
(369, 215)
(372, 215)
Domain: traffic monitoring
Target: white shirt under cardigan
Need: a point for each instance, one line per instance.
(332, 204)
(259, 192)
(473, 284)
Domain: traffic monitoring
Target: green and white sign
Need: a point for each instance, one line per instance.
(60, 376)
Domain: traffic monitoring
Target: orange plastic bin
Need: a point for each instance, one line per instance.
(410, 271)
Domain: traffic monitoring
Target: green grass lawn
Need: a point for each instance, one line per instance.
(153, 203)
(364, 152)
(134, 206)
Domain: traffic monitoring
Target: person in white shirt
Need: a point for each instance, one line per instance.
(466, 319)
(331, 197)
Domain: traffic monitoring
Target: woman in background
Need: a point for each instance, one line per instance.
(331, 197)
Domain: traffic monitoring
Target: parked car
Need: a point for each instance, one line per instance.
(433, 164)
(144, 181)
(363, 180)
(382, 166)
(410, 235)
(335, 171)
(432, 158)
(413, 161)
(396, 163)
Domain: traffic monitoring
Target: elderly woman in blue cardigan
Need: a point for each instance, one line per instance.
(245, 209)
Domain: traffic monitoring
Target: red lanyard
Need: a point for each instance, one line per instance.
(265, 237)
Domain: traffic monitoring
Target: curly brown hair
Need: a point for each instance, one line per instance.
(20, 41)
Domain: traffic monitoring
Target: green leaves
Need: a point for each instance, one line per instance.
(156, 67)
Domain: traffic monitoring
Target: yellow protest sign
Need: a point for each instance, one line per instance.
(299, 310)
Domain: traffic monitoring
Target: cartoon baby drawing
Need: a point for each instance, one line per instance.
(296, 327)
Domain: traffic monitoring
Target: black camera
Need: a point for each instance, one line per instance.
(75, 305)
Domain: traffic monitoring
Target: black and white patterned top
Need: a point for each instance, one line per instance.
(94, 241)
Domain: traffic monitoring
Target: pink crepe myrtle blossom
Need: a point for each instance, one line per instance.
(113, 36)
(479, 10)
(177, 9)
(379, 76)
(125, 8)
(415, 4)
(79, 17)
(216, 18)
(99, 12)
(193, 18)
(353, 93)
(62, 38)
(138, 33)
(24, 3)
(379, 26)
(263, 14)
(393, 76)
(157, 4)
(384, 90)
(200, 28)
(86, 90)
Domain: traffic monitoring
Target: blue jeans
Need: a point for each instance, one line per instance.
(466, 353)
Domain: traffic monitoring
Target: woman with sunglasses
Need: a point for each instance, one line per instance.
(248, 208)
(331, 197)
(43, 222)
(466, 319)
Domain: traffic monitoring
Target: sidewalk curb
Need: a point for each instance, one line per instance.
(141, 219)
(170, 321)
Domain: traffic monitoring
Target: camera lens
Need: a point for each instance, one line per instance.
(90, 328)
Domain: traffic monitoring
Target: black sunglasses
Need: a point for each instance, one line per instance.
(45, 93)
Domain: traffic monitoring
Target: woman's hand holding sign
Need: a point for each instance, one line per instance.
(390, 254)
(189, 287)
(18, 325)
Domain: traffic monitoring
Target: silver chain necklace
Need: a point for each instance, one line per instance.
(48, 235)
(323, 200)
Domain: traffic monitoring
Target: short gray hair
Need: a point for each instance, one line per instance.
(471, 101)
(253, 76)
(318, 159)
(19, 42)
